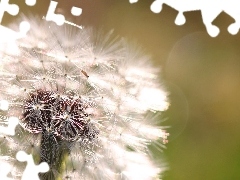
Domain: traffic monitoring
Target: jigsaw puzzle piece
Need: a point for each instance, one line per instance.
(51, 16)
(32, 170)
(12, 9)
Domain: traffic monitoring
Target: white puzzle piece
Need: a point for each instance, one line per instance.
(210, 9)
(32, 170)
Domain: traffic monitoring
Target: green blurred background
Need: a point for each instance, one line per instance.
(201, 73)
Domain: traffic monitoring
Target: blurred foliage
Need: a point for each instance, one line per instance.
(201, 73)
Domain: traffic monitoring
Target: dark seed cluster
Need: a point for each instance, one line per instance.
(66, 117)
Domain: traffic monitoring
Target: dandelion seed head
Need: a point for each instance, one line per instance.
(83, 101)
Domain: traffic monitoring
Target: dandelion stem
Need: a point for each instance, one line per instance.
(54, 151)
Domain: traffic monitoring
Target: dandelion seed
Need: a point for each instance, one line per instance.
(84, 102)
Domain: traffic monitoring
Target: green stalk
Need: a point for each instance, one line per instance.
(54, 151)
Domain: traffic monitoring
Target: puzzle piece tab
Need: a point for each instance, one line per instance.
(30, 2)
(12, 9)
(32, 170)
(51, 16)
(59, 19)
(133, 1)
(76, 11)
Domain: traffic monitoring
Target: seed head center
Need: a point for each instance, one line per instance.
(66, 116)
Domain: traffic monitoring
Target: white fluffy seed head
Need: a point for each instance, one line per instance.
(76, 75)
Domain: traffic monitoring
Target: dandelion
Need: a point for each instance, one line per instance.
(86, 103)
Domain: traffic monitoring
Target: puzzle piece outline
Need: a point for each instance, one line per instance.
(31, 171)
(210, 10)
(12, 8)
(60, 19)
